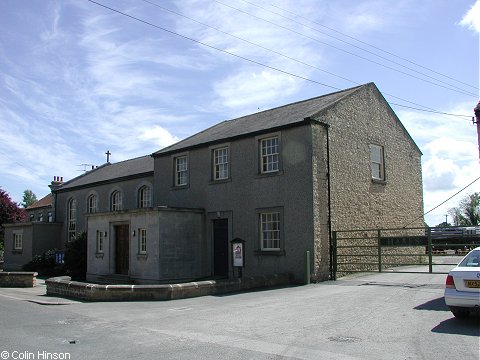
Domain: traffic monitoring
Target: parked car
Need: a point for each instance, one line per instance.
(462, 286)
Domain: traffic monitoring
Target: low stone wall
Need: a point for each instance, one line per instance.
(17, 279)
(62, 286)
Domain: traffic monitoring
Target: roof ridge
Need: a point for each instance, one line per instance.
(101, 167)
(188, 137)
(85, 173)
(299, 102)
(40, 203)
(183, 144)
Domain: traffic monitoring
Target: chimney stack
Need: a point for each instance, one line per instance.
(56, 183)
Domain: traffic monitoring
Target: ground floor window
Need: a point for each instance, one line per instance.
(270, 231)
(100, 240)
(17, 241)
(142, 241)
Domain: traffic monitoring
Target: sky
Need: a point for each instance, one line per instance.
(78, 78)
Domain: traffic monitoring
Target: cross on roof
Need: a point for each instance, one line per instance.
(108, 153)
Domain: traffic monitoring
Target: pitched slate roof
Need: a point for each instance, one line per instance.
(112, 172)
(43, 202)
(287, 115)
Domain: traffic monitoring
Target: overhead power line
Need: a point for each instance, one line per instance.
(433, 111)
(254, 61)
(214, 47)
(360, 41)
(449, 87)
(443, 202)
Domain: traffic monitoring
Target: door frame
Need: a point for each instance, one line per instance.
(219, 215)
(220, 247)
(115, 233)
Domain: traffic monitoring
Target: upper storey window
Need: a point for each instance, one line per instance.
(220, 164)
(181, 171)
(377, 162)
(116, 201)
(145, 197)
(269, 155)
(92, 204)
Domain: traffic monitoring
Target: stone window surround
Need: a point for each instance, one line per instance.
(216, 166)
(17, 242)
(277, 251)
(184, 172)
(381, 178)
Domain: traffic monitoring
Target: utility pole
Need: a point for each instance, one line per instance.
(477, 121)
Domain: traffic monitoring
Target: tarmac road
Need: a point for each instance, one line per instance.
(368, 316)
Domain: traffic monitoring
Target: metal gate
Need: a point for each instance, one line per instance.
(405, 250)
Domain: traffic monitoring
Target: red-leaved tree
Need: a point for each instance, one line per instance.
(10, 212)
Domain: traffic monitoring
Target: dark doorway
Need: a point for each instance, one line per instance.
(220, 247)
(121, 249)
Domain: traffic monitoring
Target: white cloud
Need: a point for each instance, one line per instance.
(450, 156)
(472, 18)
(54, 32)
(158, 135)
(254, 90)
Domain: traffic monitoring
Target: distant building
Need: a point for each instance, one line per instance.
(280, 180)
(25, 240)
(41, 210)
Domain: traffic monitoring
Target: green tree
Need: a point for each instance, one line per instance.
(76, 257)
(468, 211)
(28, 198)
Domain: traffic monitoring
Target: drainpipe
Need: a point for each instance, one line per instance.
(329, 199)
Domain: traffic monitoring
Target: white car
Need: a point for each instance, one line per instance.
(462, 286)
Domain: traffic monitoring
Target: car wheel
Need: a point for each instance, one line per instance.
(458, 312)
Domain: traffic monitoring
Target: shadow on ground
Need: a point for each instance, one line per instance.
(469, 326)
(433, 305)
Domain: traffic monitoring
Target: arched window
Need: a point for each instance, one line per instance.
(116, 201)
(145, 197)
(72, 219)
(92, 204)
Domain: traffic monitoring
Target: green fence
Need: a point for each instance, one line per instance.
(412, 250)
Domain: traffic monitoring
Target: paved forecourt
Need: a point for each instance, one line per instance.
(365, 316)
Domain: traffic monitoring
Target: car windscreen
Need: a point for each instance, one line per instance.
(471, 260)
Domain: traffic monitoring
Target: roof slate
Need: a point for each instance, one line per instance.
(108, 171)
(269, 119)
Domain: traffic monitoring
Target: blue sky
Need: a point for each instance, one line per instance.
(78, 79)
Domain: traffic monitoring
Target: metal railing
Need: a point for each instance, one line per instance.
(403, 250)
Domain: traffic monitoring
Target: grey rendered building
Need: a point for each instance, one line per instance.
(34, 237)
(279, 181)
(283, 178)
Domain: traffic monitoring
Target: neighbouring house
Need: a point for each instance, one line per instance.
(277, 181)
(41, 210)
(39, 234)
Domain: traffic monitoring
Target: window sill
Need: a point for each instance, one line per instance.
(180, 187)
(142, 256)
(269, 174)
(270, 253)
(99, 255)
(220, 181)
(380, 182)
